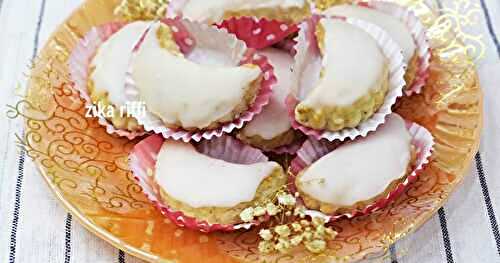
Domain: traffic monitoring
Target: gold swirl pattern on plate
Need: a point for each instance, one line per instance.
(86, 168)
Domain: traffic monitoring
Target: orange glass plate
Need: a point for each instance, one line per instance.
(87, 169)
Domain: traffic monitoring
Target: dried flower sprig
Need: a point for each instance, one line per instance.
(281, 202)
(293, 228)
(132, 10)
(312, 234)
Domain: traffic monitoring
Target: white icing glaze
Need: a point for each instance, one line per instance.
(201, 181)
(353, 63)
(213, 10)
(181, 91)
(362, 169)
(274, 120)
(112, 60)
(396, 28)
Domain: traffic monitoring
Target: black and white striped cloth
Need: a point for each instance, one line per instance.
(35, 228)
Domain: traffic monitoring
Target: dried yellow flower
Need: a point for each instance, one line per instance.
(320, 229)
(296, 240)
(266, 246)
(247, 215)
(318, 221)
(259, 211)
(299, 211)
(266, 234)
(272, 209)
(304, 222)
(287, 200)
(296, 227)
(317, 235)
(282, 246)
(282, 230)
(313, 234)
(307, 235)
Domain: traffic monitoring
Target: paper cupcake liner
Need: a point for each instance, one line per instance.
(287, 45)
(255, 10)
(78, 64)
(418, 32)
(232, 150)
(306, 51)
(143, 158)
(190, 35)
(297, 141)
(289, 149)
(258, 33)
(313, 150)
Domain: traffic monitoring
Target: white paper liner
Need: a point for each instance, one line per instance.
(175, 7)
(144, 156)
(397, 66)
(297, 142)
(237, 52)
(313, 150)
(231, 150)
(418, 32)
(289, 149)
(78, 65)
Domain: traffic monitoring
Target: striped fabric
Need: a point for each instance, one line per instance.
(35, 228)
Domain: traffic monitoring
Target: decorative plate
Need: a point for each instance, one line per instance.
(87, 169)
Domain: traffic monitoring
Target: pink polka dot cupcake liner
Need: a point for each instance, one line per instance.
(142, 162)
(258, 33)
(418, 32)
(190, 37)
(79, 62)
(313, 150)
(307, 52)
(287, 45)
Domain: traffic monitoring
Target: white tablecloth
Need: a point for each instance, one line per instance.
(35, 228)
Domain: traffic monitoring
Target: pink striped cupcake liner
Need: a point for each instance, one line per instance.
(313, 150)
(297, 143)
(418, 32)
(289, 149)
(142, 162)
(78, 64)
(308, 53)
(188, 35)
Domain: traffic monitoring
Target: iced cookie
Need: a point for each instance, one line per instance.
(400, 26)
(358, 173)
(200, 80)
(272, 129)
(348, 75)
(352, 78)
(205, 186)
(98, 67)
(210, 189)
